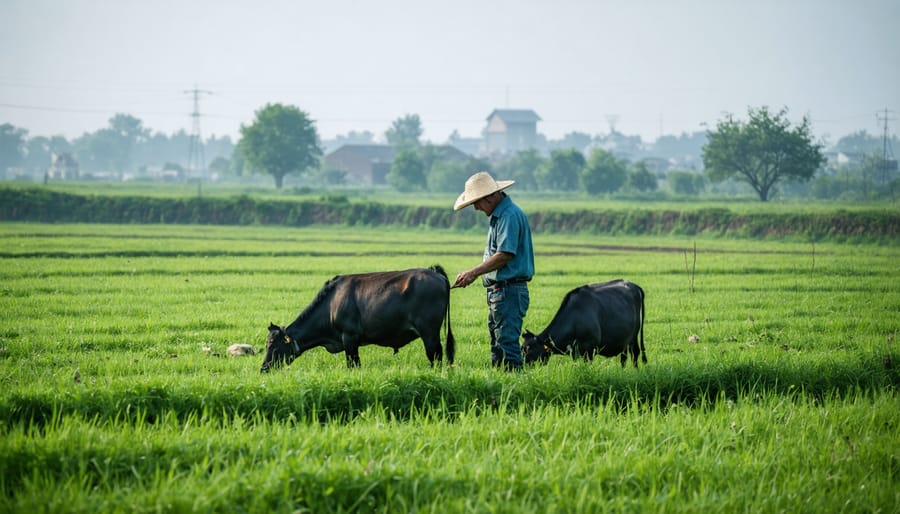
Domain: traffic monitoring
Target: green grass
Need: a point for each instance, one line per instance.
(785, 403)
(768, 454)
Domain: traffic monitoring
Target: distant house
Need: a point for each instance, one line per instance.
(62, 167)
(363, 164)
(510, 131)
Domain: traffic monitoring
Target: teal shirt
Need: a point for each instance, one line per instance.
(509, 232)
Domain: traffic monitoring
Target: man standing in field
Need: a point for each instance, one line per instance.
(507, 267)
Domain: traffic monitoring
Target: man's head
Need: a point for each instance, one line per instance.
(482, 191)
(489, 202)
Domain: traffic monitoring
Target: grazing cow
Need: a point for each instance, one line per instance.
(602, 319)
(390, 308)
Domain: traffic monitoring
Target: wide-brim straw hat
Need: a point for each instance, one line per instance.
(478, 186)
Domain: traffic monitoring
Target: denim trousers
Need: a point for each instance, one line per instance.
(507, 305)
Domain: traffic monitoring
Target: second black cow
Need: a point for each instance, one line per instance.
(597, 319)
(391, 308)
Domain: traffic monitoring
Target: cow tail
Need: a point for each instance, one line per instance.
(450, 349)
(451, 343)
(643, 312)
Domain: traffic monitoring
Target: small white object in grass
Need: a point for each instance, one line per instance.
(238, 350)
(694, 338)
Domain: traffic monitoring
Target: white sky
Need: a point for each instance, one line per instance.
(659, 66)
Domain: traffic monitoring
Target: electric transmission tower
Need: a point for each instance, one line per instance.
(888, 162)
(196, 159)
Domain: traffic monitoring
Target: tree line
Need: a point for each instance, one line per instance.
(123, 146)
(765, 155)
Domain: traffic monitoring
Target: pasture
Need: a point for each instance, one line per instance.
(119, 395)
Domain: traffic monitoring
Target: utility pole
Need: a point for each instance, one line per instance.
(888, 161)
(196, 159)
(612, 119)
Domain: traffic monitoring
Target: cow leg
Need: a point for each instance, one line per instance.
(433, 348)
(624, 357)
(589, 355)
(635, 351)
(352, 357)
(351, 351)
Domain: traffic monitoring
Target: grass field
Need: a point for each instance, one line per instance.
(118, 394)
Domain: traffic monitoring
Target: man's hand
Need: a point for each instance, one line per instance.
(494, 262)
(465, 278)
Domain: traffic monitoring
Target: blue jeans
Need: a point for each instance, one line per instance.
(507, 305)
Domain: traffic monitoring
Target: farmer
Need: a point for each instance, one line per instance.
(507, 267)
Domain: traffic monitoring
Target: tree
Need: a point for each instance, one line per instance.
(221, 166)
(523, 168)
(762, 152)
(574, 140)
(111, 148)
(448, 176)
(281, 140)
(861, 143)
(12, 146)
(407, 172)
(37, 154)
(405, 132)
(642, 179)
(126, 132)
(562, 170)
(603, 173)
(686, 183)
(332, 177)
(102, 151)
(684, 146)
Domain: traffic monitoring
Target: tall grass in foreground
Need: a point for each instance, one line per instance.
(751, 454)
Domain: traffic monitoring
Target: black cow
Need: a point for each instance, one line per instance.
(390, 308)
(603, 319)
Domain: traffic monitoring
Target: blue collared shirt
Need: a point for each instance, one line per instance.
(509, 232)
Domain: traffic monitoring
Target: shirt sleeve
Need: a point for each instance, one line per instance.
(508, 234)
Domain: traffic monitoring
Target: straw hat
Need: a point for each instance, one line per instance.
(478, 186)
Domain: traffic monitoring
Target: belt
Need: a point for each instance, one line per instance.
(509, 282)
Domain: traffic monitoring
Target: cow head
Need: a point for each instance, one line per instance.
(280, 349)
(535, 348)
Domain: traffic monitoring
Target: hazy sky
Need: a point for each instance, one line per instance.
(655, 66)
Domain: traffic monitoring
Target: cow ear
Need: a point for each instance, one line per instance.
(273, 326)
(528, 333)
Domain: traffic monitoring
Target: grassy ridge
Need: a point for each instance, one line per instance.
(785, 404)
(47, 205)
